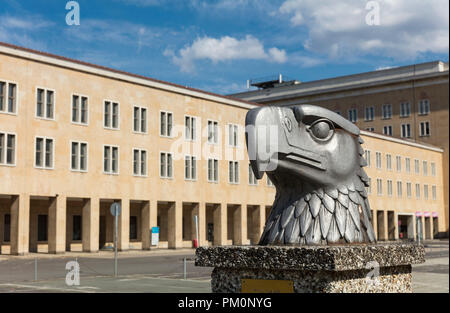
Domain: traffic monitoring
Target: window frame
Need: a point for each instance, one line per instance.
(167, 124)
(166, 170)
(45, 103)
(213, 181)
(44, 148)
(79, 170)
(193, 135)
(6, 97)
(79, 110)
(140, 132)
(383, 111)
(111, 115)
(111, 162)
(429, 129)
(218, 132)
(235, 127)
(5, 156)
(140, 150)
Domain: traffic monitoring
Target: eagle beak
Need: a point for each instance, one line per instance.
(262, 140)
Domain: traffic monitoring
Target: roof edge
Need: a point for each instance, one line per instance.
(99, 70)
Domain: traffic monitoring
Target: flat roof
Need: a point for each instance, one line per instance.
(77, 65)
(348, 82)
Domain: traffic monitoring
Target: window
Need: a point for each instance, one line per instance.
(139, 162)
(416, 167)
(367, 157)
(399, 189)
(425, 168)
(79, 109)
(140, 120)
(387, 130)
(44, 153)
(433, 169)
(190, 128)
(433, 192)
(213, 132)
(353, 115)
(79, 154)
(424, 107)
(370, 129)
(45, 104)
(369, 188)
(406, 131)
(7, 149)
(133, 227)
(378, 159)
(233, 170)
(190, 167)
(379, 187)
(111, 115)
(408, 165)
(425, 129)
(269, 182)
(399, 163)
(388, 162)
(405, 109)
(165, 124)
(8, 97)
(232, 135)
(425, 192)
(111, 159)
(42, 227)
(386, 111)
(251, 177)
(213, 170)
(408, 190)
(389, 188)
(369, 114)
(76, 227)
(166, 165)
(7, 228)
(418, 191)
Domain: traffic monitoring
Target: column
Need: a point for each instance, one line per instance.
(220, 224)
(57, 225)
(123, 240)
(374, 223)
(175, 225)
(386, 225)
(146, 226)
(91, 223)
(240, 225)
(201, 224)
(20, 222)
(259, 221)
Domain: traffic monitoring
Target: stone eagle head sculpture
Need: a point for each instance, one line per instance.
(314, 158)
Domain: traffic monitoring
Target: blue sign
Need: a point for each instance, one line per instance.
(155, 230)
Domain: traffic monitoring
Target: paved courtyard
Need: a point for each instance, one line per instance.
(162, 271)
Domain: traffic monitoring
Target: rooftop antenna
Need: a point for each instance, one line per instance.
(280, 78)
(248, 84)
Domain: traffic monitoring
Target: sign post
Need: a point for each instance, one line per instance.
(115, 211)
(155, 236)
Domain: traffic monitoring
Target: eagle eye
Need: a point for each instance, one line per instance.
(322, 129)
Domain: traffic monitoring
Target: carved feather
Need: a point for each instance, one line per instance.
(325, 218)
(328, 202)
(314, 205)
(341, 218)
(299, 207)
(305, 221)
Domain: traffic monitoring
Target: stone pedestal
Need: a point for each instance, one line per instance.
(310, 269)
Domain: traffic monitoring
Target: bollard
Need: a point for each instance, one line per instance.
(184, 271)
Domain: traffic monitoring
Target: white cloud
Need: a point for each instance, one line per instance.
(407, 28)
(21, 30)
(125, 33)
(224, 49)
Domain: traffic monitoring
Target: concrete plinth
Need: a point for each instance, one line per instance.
(310, 269)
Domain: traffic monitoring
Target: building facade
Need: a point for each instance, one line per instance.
(77, 137)
(409, 102)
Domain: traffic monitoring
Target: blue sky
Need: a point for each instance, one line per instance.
(217, 45)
